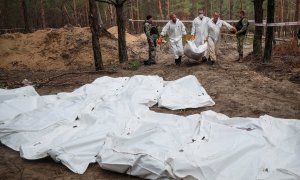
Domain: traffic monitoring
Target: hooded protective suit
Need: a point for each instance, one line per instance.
(175, 31)
(200, 29)
(214, 36)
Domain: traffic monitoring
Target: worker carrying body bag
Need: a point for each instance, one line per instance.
(193, 52)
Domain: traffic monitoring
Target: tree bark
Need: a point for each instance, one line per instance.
(258, 15)
(68, 16)
(86, 11)
(99, 15)
(138, 15)
(241, 5)
(95, 29)
(269, 32)
(130, 13)
(208, 8)
(25, 15)
(111, 22)
(168, 8)
(221, 6)
(42, 14)
(160, 9)
(230, 8)
(75, 13)
(121, 33)
(296, 28)
(280, 6)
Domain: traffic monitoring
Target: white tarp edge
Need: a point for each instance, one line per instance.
(109, 122)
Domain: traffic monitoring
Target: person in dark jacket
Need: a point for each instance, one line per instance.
(152, 36)
(241, 27)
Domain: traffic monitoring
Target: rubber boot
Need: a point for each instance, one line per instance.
(210, 62)
(147, 63)
(151, 62)
(178, 61)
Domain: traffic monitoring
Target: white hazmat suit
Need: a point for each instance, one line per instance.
(175, 31)
(200, 29)
(214, 36)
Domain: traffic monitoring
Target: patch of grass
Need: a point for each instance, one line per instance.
(3, 85)
(132, 65)
(113, 67)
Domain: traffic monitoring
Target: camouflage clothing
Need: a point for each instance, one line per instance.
(240, 43)
(241, 27)
(151, 38)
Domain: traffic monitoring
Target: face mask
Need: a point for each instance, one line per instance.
(201, 15)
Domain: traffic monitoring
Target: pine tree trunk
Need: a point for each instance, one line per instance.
(208, 8)
(95, 29)
(111, 15)
(130, 12)
(86, 11)
(194, 8)
(75, 13)
(241, 5)
(4, 14)
(280, 17)
(258, 15)
(138, 15)
(121, 34)
(42, 14)
(296, 28)
(221, 6)
(168, 8)
(99, 15)
(269, 32)
(25, 16)
(230, 8)
(160, 9)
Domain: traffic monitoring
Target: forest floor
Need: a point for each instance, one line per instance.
(57, 60)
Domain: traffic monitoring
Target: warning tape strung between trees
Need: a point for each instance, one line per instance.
(231, 21)
(279, 24)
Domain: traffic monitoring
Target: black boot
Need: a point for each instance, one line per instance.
(147, 63)
(210, 62)
(204, 59)
(178, 61)
(151, 61)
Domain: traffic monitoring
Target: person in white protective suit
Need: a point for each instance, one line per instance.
(200, 30)
(214, 35)
(175, 29)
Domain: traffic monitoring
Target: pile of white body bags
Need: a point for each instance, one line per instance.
(109, 122)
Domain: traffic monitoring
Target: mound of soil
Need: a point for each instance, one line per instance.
(290, 48)
(129, 38)
(53, 49)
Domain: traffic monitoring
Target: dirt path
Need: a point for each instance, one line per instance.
(239, 89)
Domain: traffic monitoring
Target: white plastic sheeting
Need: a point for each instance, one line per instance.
(194, 52)
(109, 122)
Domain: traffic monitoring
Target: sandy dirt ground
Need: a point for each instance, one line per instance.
(56, 61)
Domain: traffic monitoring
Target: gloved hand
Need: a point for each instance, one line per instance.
(233, 30)
(159, 40)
